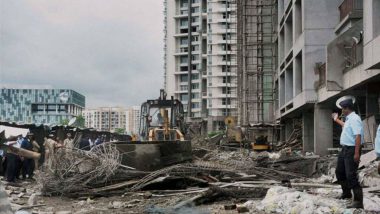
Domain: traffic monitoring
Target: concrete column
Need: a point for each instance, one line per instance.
(323, 130)
(288, 128)
(308, 132)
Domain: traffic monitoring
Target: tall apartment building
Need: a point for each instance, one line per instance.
(326, 49)
(105, 118)
(133, 119)
(200, 58)
(43, 106)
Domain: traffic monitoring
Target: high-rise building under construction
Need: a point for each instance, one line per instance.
(200, 59)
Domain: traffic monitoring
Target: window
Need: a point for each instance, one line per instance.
(195, 95)
(195, 48)
(195, 86)
(184, 23)
(184, 3)
(194, 76)
(195, 19)
(183, 50)
(184, 31)
(184, 97)
(226, 25)
(62, 108)
(38, 108)
(226, 15)
(195, 67)
(227, 79)
(184, 68)
(194, 1)
(184, 12)
(183, 78)
(226, 101)
(195, 29)
(194, 38)
(226, 69)
(183, 59)
(226, 90)
(227, 58)
(183, 87)
(183, 41)
(195, 57)
(195, 105)
(227, 47)
(195, 10)
(226, 36)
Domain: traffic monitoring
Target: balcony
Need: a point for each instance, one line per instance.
(349, 7)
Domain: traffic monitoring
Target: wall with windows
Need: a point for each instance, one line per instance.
(47, 106)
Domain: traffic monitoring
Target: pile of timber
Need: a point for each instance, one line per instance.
(294, 141)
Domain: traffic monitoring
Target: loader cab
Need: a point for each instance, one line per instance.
(161, 119)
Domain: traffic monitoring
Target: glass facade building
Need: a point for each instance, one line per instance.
(42, 106)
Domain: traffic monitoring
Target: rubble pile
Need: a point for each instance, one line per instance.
(75, 172)
(287, 200)
(217, 181)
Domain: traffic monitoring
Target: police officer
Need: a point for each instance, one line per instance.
(28, 163)
(349, 157)
(377, 147)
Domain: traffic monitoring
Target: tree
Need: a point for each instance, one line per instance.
(120, 131)
(65, 122)
(80, 121)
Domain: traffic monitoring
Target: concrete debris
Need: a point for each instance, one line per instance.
(32, 200)
(63, 212)
(369, 176)
(367, 158)
(286, 200)
(372, 203)
(242, 209)
(116, 205)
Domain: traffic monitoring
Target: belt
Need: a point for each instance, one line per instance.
(348, 147)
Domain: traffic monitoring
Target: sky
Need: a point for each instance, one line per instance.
(111, 51)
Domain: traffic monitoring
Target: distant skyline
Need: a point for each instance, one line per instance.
(111, 51)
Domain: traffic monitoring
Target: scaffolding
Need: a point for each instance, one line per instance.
(256, 61)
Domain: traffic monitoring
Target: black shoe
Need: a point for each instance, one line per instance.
(358, 199)
(345, 196)
(356, 205)
(346, 191)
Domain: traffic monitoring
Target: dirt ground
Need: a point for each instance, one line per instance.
(131, 203)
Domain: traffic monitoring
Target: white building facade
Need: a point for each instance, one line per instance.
(105, 118)
(200, 58)
(133, 117)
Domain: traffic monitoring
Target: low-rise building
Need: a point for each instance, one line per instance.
(44, 106)
(105, 118)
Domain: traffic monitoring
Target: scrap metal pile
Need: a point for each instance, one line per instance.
(74, 171)
(99, 172)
